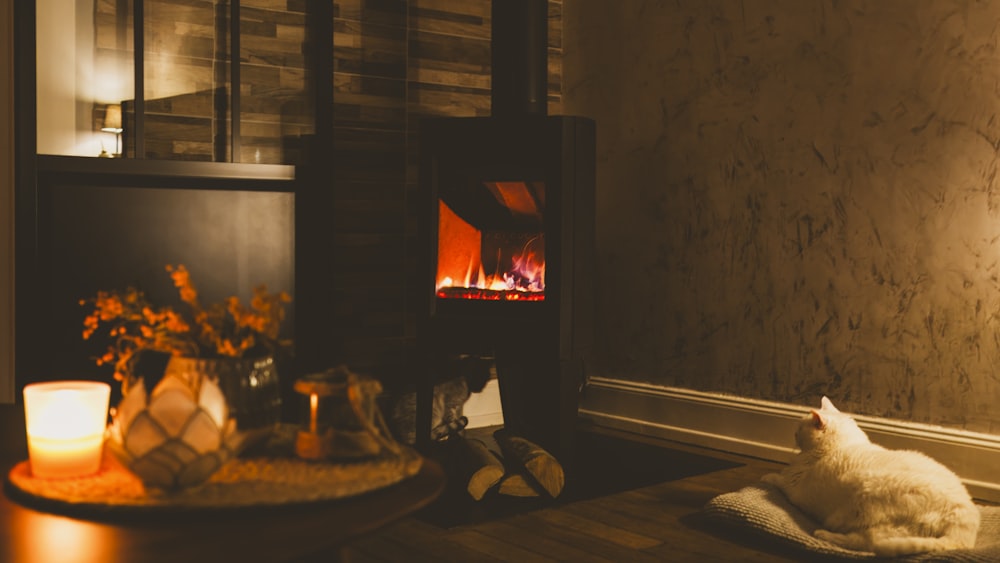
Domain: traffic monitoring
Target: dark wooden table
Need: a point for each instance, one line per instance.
(312, 532)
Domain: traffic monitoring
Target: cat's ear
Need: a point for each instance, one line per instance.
(818, 420)
(827, 405)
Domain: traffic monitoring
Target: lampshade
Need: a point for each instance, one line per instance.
(113, 119)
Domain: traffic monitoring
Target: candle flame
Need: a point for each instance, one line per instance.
(313, 405)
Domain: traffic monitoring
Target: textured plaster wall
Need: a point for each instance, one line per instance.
(798, 198)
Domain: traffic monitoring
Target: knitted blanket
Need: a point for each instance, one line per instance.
(764, 511)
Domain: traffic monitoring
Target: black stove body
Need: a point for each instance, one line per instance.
(507, 226)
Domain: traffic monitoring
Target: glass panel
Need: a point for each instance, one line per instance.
(186, 81)
(84, 63)
(86, 67)
(274, 109)
(230, 240)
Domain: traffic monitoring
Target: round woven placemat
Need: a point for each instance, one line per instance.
(240, 483)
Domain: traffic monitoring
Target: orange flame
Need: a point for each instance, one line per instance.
(461, 275)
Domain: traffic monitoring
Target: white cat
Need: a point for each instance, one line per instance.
(868, 498)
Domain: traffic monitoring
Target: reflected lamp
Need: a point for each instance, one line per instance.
(113, 124)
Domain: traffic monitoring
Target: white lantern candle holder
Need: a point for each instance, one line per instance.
(178, 435)
(65, 423)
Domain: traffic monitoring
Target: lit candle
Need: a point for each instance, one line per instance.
(313, 405)
(65, 422)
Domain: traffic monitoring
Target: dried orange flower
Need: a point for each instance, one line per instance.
(221, 329)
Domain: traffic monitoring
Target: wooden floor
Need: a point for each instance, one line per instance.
(646, 524)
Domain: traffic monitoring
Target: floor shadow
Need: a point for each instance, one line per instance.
(603, 465)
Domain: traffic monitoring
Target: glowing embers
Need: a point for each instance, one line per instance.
(491, 265)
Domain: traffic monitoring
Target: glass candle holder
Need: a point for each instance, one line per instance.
(65, 422)
(340, 418)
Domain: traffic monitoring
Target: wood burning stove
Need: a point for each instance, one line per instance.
(508, 233)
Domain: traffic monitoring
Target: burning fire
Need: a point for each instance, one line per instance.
(525, 281)
(461, 274)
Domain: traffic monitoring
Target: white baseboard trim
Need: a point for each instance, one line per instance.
(765, 429)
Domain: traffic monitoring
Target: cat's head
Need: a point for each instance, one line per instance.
(827, 427)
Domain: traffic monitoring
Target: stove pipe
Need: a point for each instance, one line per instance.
(519, 57)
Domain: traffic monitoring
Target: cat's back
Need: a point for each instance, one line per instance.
(871, 466)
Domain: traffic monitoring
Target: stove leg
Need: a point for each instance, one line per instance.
(539, 397)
